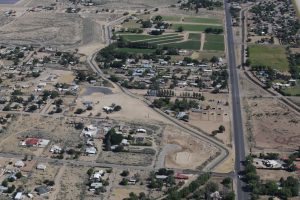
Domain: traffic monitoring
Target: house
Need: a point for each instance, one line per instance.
(41, 166)
(108, 109)
(96, 185)
(19, 163)
(141, 130)
(162, 177)
(181, 176)
(90, 150)
(97, 175)
(216, 195)
(125, 142)
(19, 196)
(42, 190)
(3, 189)
(90, 131)
(132, 181)
(55, 149)
(181, 115)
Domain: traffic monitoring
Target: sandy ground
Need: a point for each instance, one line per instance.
(72, 184)
(41, 28)
(132, 109)
(193, 152)
(298, 5)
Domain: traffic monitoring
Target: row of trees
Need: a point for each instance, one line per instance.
(178, 105)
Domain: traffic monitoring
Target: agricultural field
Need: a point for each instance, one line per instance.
(269, 55)
(190, 45)
(202, 20)
(214, 42)
(194, 27)
(148, 38)
(172, 18)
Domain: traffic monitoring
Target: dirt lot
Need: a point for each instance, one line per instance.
(72, 184)
(126, 158)
(41, 28)
(193, 152)
(274, 125)
(270, 125)
(35, 126)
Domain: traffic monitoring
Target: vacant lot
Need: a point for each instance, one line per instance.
(269, 55)
(202, 20)
(194, 27)
(38, 28)
(191, 152)
(273, 125)
(214, 42)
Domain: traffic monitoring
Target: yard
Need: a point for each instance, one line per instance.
(194, 27)
(214, 42)
(202, 20)
(270, 56)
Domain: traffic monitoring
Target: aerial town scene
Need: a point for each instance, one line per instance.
(150, 100)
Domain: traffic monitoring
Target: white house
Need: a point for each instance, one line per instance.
(89, 131)
(19, 163)
(91, 150)
(41, 166)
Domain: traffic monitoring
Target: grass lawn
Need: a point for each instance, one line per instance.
(269, 55)
(194, 27)
(292, 91)
(189, 45)
(202, 20)
(194, 36)
(137, 37)
(134, 51)
(214, 42)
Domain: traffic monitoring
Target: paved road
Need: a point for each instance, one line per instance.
(236, 106)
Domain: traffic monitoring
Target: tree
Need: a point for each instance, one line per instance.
(117, 108)
(11, 189)
(90, 171)
(227, 181)
(125, 173)
(229, 196)
(124, 181)
(19, 175)
(5, 183)
(221, 129)
(180, 29)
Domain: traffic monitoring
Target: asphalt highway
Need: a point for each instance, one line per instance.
(236, 105)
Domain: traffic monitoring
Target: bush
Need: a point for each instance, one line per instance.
(125, 173)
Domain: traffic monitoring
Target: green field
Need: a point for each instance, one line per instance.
(292, 91)
(172, 18)
(175, 37)
(134, 51)
(166, 41)
(270, 56)
(194, 27)
(194, 36)
(137, 37)
(189, 45)
(214, 42)
(202, 20)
